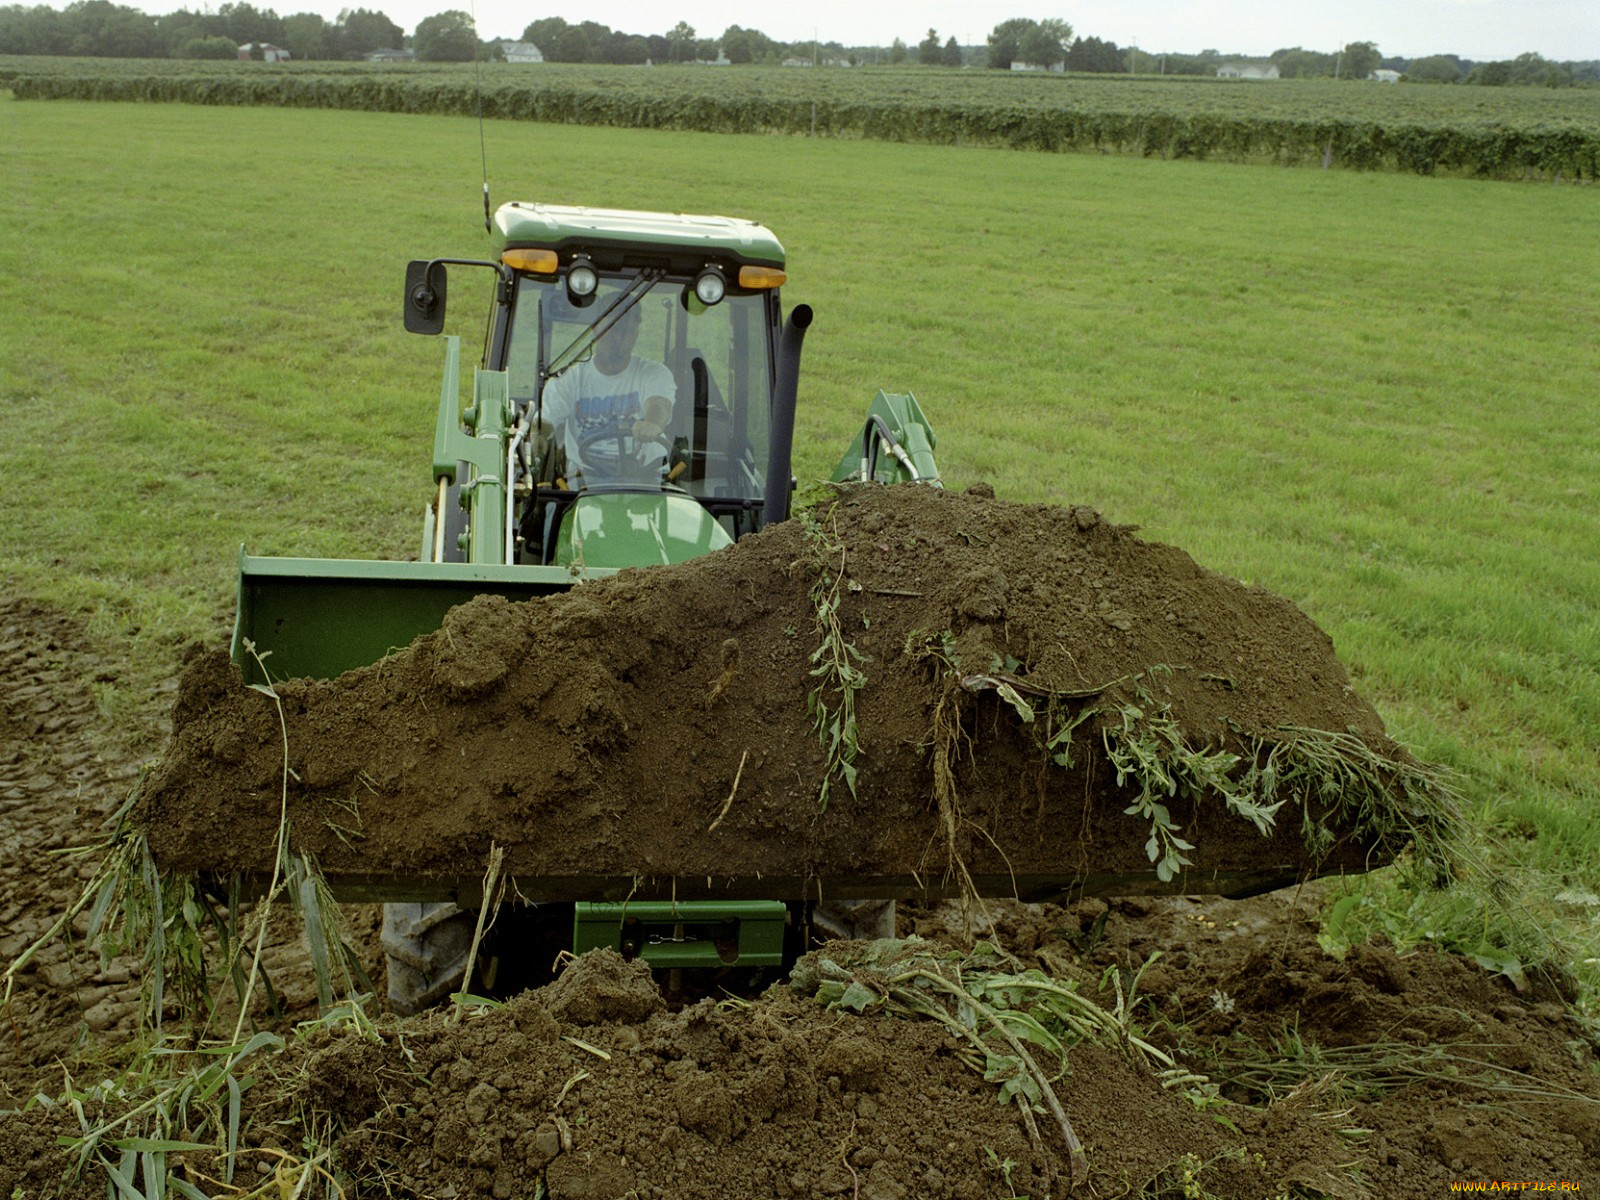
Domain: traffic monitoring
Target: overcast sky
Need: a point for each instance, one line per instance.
(1478, 29)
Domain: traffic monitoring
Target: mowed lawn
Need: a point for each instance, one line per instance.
(1376, 394)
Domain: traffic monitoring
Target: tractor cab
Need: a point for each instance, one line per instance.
(635, 359)
(642, 398)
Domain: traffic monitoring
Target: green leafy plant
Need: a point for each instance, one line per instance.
(163, 1105)
(1003, 1168)
(1148, 750)
(835, 663)
(1002, 1012)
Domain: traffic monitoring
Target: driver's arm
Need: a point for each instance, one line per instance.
(657, 412)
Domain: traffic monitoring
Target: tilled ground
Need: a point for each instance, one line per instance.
(1381, 1075)
(60, 778)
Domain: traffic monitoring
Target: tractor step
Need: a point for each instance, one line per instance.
(666, 934)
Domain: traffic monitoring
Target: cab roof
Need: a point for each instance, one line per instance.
(559, 227)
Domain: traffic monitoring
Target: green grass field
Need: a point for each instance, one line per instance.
(1374, 394)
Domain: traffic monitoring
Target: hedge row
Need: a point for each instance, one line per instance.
(1484, 146)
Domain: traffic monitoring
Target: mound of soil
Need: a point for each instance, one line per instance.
(651, 733)
(1382, 1074)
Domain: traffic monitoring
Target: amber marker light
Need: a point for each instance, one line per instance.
(535, 262)
(761, 277)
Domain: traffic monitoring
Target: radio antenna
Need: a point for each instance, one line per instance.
(477, 87)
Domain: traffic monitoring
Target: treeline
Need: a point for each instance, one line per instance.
(1359, 60)
(1526, 70)
(101, 29)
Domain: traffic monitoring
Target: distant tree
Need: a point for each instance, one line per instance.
(1359, 60)
(595, 31)
(247, 23)
(361, 31)
(1205, 63)
(1046, 43)
(1490, 74)
(950, 56)
(445, 37)
(1436, 68)
(128, 33)
(897, 52)
(629, 49)
(738, 45)
(1534, 70)
(570, 47)
(89, 27)
(544, 32)
(1005, 42)
(1303, 64)
(1092, 54)
(928, 48)
(29, 31)
(306, 36)
(606, 47)
(680, 42)
(748, 45)
(208, 48)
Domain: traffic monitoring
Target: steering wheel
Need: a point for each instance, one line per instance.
(615, 455)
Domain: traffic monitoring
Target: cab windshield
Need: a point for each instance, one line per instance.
(643, 387)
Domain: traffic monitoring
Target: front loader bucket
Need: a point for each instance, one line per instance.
(318, 618)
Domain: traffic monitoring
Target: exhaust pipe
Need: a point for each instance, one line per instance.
(780, 441)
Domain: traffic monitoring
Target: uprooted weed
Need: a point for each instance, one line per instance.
(1017, 1024)
(1267, 1069)
(835, 663)
(1335, 781)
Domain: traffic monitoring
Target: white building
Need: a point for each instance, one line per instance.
(267, 52)
(522, 52)
(1245, 69)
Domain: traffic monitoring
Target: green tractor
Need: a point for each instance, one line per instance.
(634, 406)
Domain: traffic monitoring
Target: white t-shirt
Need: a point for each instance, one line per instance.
(597, 412)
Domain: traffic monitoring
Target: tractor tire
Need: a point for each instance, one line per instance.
(427, 946)
(855, 920)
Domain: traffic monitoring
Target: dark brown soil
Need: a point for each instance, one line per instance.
(651, 732)
(59, 781)
(1379, 1075)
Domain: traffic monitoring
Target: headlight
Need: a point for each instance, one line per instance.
(710, 287)
(582, 278)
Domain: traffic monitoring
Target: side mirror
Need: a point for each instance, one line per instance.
(425, 295)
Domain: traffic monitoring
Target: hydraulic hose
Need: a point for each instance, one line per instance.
(511, 488)
(780, 441)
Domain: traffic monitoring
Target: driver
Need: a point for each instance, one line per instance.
(613, 409)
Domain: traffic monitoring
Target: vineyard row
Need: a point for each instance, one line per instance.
(1552, 148)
